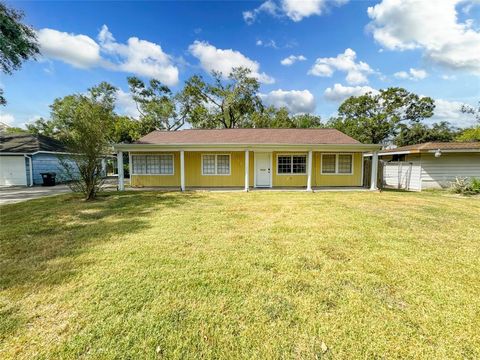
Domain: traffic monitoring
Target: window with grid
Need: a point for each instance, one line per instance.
(209, 164)
(213, 164)
(284, 164)
(223, 164)
(153, 164)
(345, 164)
(328, 163)
(292, 164)
(299, 164)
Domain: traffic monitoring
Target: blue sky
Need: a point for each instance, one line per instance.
(330, 50)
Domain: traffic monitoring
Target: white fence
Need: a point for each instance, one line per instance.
(402, 175)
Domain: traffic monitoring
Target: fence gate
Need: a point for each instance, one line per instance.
(402, 175)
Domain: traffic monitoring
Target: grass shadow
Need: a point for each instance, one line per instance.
(39, 243)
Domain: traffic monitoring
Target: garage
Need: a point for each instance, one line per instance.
(13, 171)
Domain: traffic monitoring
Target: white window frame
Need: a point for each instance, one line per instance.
(291, 155)
(216, 164)
(336, 164)
(159, 154)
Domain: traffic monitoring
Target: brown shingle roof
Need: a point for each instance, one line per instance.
(249, 136)
(435, 146)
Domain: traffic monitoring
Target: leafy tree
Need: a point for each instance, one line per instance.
(306, 121)
(126, 130)
(475, 111)
(272, 117)
(13, 130)
(42, 126)
(159, 108)
(418, 133)
(123, 129)
(88, 141)
(375, 118)
(470, 134)
(223, 103)
(17, 42)
(88, 125)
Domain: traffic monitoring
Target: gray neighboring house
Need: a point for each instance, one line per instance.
(23, 157)
(431, 165)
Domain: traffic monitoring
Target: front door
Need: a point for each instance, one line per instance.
(262, 169)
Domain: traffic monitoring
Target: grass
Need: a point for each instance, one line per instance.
(241, 275)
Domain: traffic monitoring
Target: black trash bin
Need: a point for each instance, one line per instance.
(48, 178)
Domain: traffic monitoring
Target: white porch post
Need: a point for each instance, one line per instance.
(121, 186)
(182, 170)
(373, 180)
(130, 169)
(309, 171)
(247, 170)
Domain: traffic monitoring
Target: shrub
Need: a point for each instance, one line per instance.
(465, 186)
(475, 185)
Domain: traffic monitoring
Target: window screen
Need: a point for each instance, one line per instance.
(328, 163)
(344, 164)
(223, 164)
(209, 164)
(153, 164)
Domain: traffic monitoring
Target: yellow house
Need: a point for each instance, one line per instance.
(246, 158)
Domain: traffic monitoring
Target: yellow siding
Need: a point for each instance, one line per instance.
(338, 180)
(280, 180)
(194, 177)
(158, 180)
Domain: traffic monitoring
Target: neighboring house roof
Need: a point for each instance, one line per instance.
(434, 146)
(28, 144)
(248, 136)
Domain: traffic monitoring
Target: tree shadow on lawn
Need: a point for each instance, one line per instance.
(41, 239)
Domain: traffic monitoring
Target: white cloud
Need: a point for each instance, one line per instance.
(268, 43)
(269, 7)
(296, 10)
(8, 119)
(292, 59)
(296, 101)
(339, 92)
(448, 77)
(451, 111)
(137, 56)
(412, 74)
(432, 26)
(78, 50)
(126, 105)
(357, 72)
(213, 59)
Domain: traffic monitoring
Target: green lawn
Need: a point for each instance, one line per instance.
(241, 275)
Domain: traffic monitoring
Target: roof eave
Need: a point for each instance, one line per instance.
(237, 147)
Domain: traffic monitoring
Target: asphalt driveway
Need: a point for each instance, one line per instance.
(15, 194)
(10, 195)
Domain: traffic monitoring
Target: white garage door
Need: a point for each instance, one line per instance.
(12, 170)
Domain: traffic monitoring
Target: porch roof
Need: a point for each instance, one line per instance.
(247, 138)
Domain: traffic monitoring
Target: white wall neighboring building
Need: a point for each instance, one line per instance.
(430, 165)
